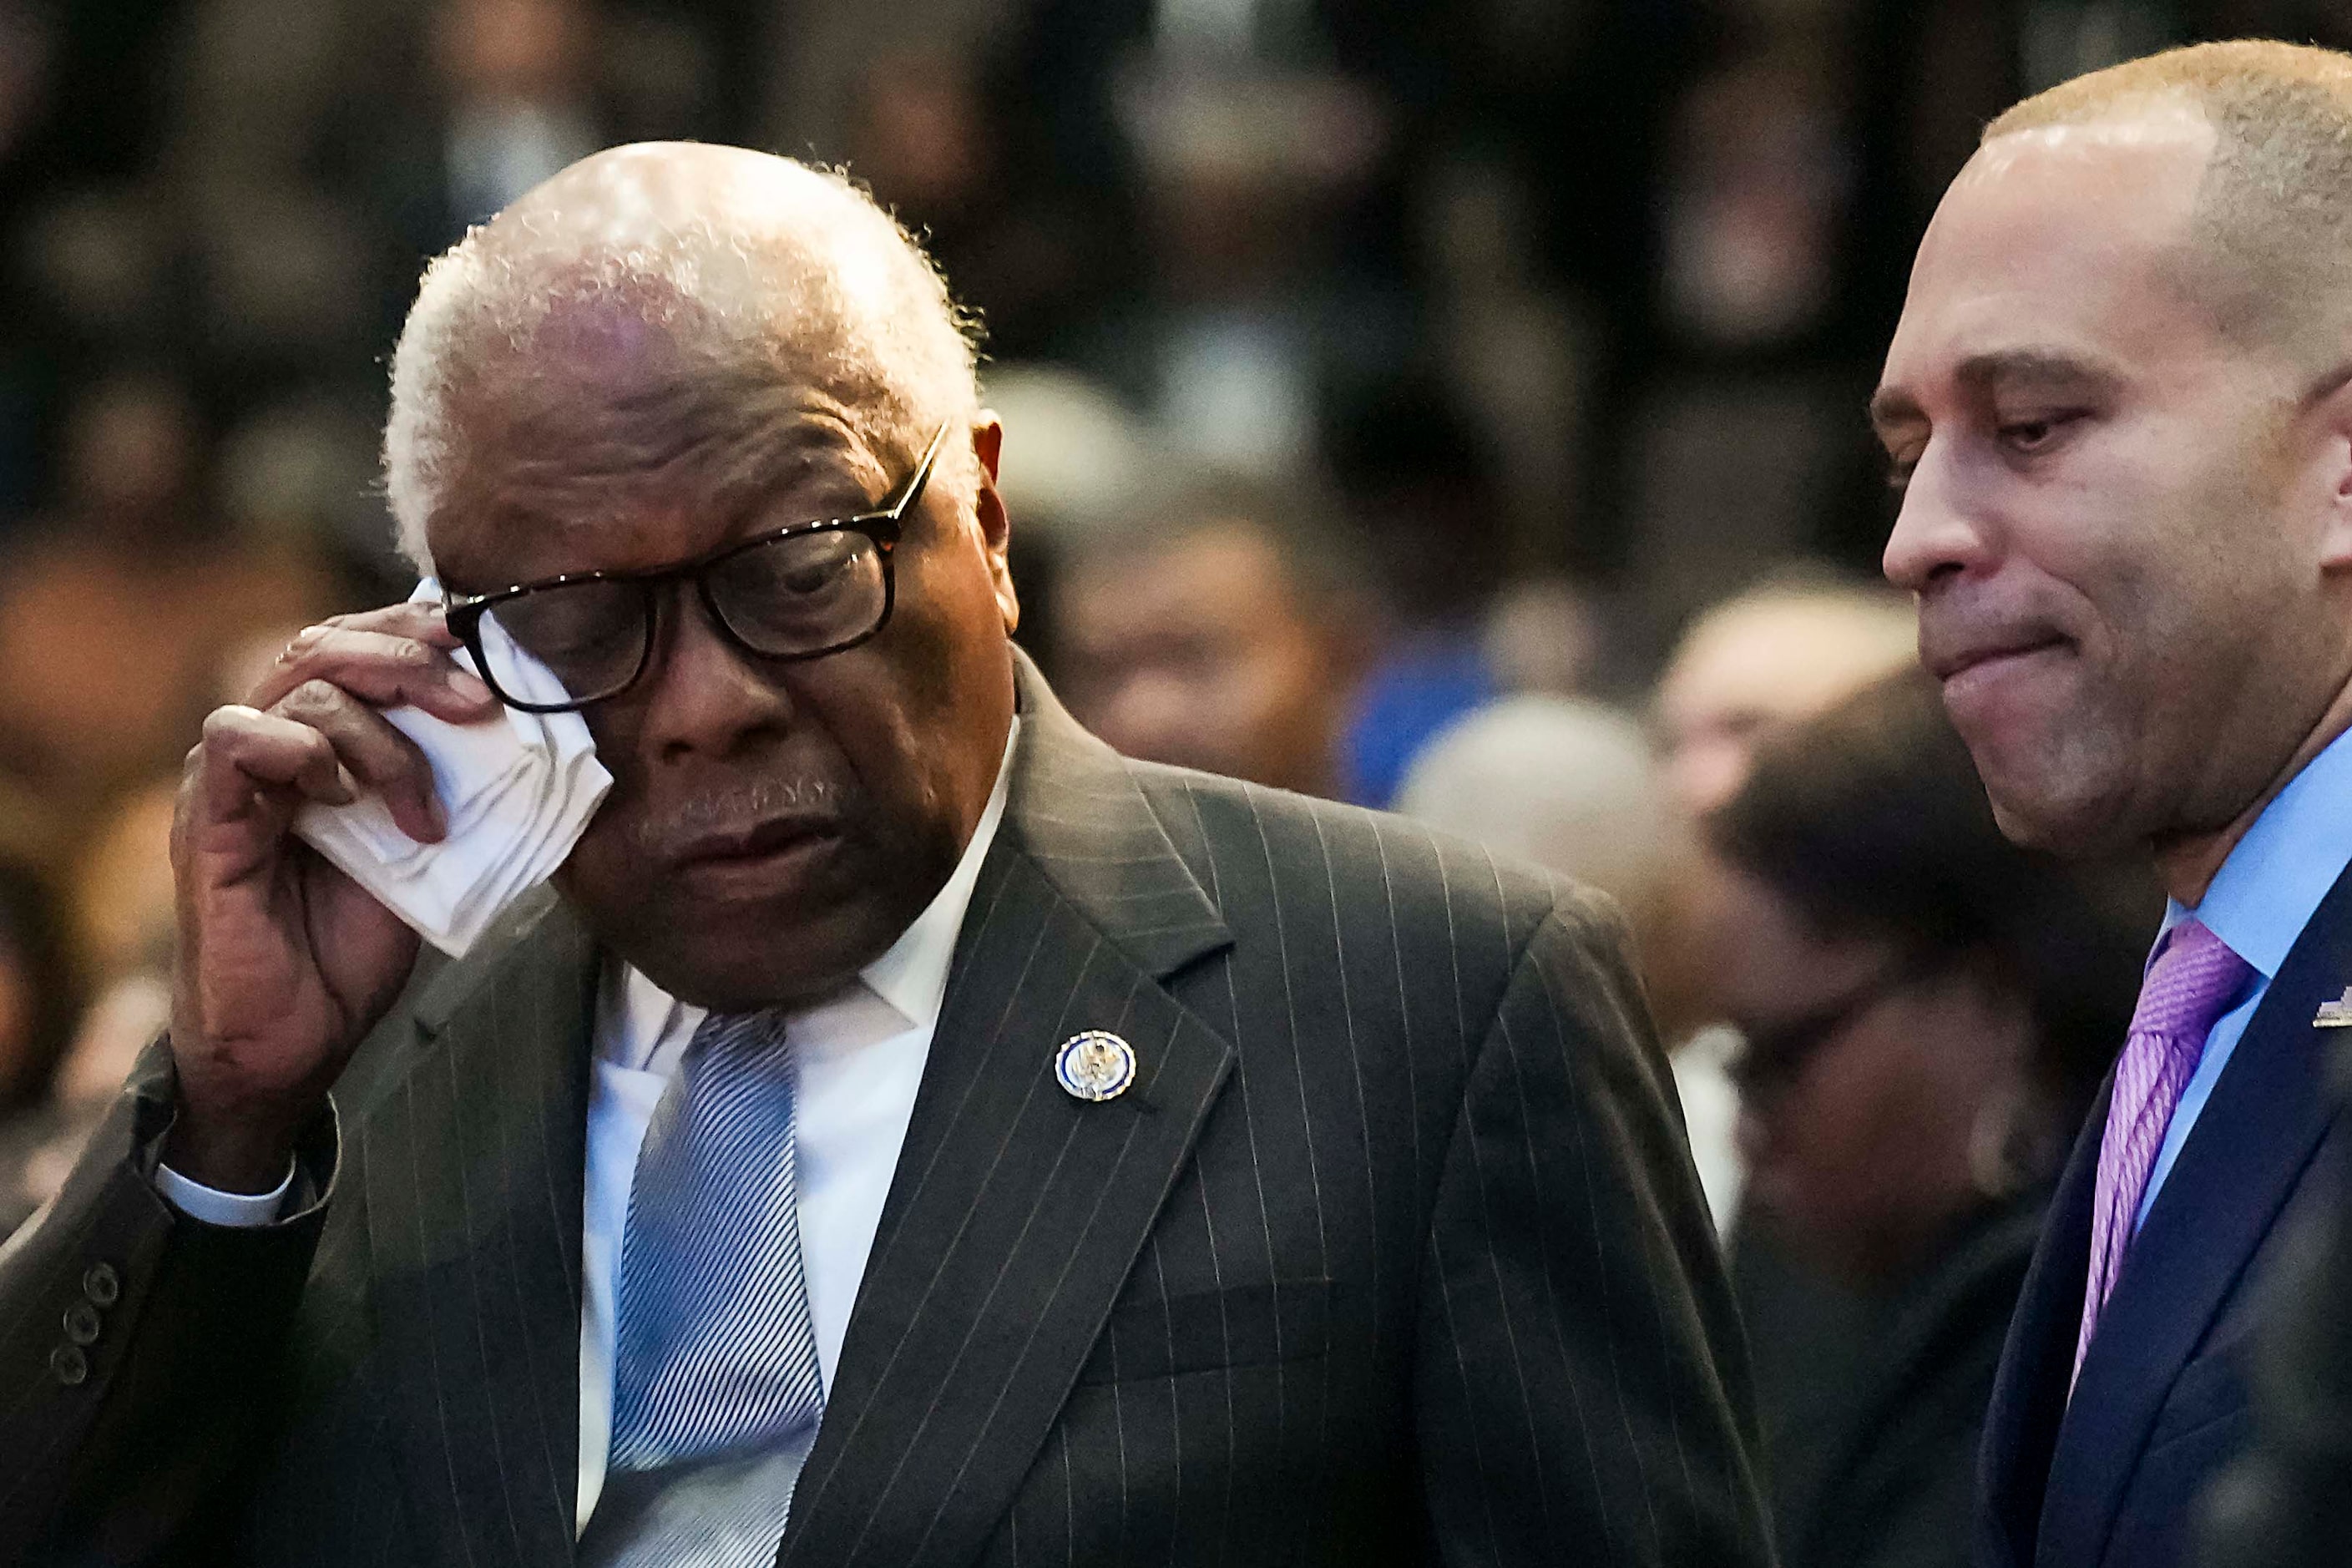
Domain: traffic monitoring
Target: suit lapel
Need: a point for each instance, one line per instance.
(2029, 1394)
(2267, 1115)
(1017, 1211)
(471, 1157)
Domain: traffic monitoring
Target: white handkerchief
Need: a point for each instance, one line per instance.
(516, 789)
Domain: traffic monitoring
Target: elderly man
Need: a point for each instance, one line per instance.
(918, 1135)
(2120, 406)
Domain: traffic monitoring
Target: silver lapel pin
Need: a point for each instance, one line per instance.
(2335, 1014)
(1095, 1065)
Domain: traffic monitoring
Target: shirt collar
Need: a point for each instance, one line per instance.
(2273, 882)
(642, 1026)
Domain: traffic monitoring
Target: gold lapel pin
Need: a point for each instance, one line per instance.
(2335, 1014)
(1095, 1065)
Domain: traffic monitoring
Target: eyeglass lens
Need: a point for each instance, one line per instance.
(787, 597)
(801, 594)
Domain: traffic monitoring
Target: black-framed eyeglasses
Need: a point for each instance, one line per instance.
(1772, 1057)
(799, 591)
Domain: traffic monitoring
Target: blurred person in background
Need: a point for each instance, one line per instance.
(124, 599)
(1221, 626)
(941, 132)
(39, 997)
(115, 923)
(519, 97)
(1564, 781)
(500, 94)
(1799, 640)
(1081, 458)
(1925, 1011)
(1777, 653)
(1422, 490)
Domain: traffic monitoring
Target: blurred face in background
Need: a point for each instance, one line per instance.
(38, 995)
(512, 48)
(19, 1013)
(2114, 515)
(919, 137)
(1864, 1080)
(1756, 666)
(130, 453)
(1203, 653)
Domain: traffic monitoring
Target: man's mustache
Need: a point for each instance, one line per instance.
(742, 806)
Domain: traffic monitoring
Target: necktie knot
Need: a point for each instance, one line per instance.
(2191, 984)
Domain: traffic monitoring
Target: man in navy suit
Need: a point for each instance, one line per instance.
(2117, 406)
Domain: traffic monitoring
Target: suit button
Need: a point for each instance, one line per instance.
(70, 1365)
(102, 1285)
(83, 1323)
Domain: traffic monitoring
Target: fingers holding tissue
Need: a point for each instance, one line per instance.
(517, 790)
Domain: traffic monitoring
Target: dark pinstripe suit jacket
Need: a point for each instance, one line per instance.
(1393, 1254)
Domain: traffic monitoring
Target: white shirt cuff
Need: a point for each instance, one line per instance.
(240, 1211)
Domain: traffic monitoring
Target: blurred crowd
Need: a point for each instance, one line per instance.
(1454, 408)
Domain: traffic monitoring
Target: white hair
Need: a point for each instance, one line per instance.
(1563, 782)
(740, 256)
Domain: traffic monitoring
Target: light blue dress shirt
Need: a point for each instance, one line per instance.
(2260, 900)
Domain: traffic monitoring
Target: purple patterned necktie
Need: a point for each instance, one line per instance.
(2193, 982)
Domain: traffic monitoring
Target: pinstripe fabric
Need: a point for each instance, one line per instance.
(1393, 1254)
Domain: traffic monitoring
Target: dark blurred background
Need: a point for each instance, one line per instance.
(1452, 406)
(1364, 362)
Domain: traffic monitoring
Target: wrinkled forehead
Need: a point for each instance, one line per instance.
(616, 442)
(608, 381)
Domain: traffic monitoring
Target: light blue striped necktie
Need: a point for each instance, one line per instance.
(717, 1361)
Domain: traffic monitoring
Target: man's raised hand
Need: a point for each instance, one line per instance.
(284, 963)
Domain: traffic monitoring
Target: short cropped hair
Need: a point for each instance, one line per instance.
(2275, 212)
(817, 282)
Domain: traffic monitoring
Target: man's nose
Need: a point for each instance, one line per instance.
(705, 696)
(1937, 533)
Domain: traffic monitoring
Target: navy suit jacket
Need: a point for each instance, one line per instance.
(2113, 1479)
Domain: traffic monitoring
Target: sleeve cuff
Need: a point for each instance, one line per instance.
(237, 1211)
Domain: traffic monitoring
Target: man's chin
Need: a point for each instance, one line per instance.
(2057, 821)
(738, 965)
(2048, 778)
(782, 947)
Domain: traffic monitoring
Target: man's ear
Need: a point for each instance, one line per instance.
(995, 526)
(2335, 415)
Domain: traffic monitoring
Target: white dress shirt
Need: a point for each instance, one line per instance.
(860, 1056)
(1702, 1070)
